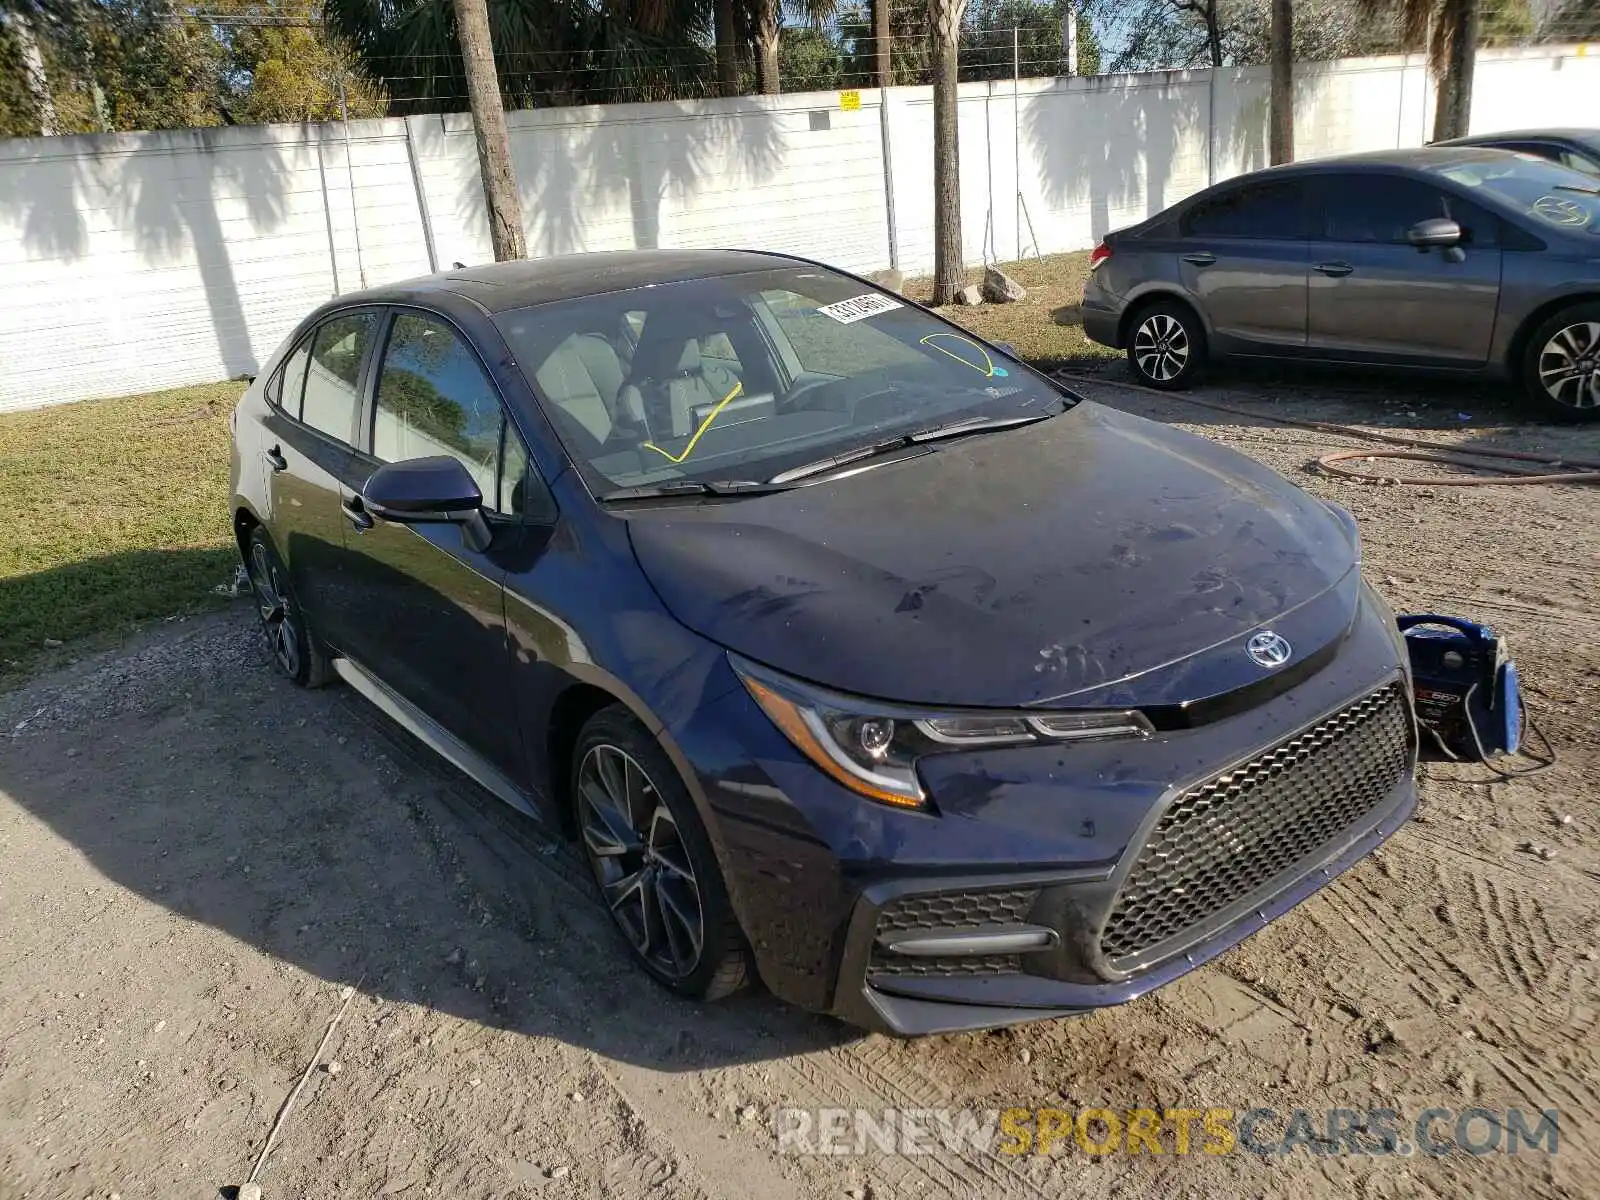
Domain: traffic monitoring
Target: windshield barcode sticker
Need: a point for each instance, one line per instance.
(859, 307)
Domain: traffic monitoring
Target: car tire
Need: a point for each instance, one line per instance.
(652, 860)
(1166, 345)
(1561, 364)
(295, 651)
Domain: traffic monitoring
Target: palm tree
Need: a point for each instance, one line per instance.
(1449, 29)
(945, 17)
(546, 51)
(1282, 130)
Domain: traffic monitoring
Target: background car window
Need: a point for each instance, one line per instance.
(1261, 210)
(433, 398)
(823, 345)
(334, 374)
(290, 381)
(1580, 162)
(1383, 208)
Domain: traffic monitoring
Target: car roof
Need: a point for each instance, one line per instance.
(1590, 137)
(499, 287)
(1417, 158)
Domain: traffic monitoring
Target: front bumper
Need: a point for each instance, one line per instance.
(913, 1006)
(813, 870)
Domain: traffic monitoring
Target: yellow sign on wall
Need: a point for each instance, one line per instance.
(850, 101)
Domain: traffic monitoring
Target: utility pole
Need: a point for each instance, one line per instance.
(1281, 134)
(489, 124)
(1069, 37)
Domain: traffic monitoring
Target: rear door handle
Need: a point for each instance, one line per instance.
(276, 459)
(357, 514)
(1334, 269)
(1200, 258)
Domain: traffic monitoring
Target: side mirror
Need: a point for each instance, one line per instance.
(428, 491)
(1435, 231)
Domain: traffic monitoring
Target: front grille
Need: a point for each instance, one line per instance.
(1223, 841)
(905, 966)
(956, 910)
(950, 910)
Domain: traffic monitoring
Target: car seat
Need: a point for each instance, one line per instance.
(671, 379)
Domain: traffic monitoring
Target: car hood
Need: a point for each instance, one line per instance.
(1094, 558)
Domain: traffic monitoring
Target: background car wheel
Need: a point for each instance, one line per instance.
(1561, 366)
(1166, 345)
(294, 649)
(653, 861)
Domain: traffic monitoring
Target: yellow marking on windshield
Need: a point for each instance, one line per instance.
(988, 370)
(704, 425)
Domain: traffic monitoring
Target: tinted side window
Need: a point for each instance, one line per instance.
(334, 374)
(1382, 208)
(290, 381)
(1259, 210)
(433, 398)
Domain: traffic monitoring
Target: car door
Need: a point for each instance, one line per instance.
(430, 611)
(310, 427)
(1243, 255)
(1375, 297)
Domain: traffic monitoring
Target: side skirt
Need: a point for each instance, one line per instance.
(431, 734)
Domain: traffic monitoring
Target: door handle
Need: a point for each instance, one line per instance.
(1200, 258)
(357, 514)
(1334, 269)
(275, 459)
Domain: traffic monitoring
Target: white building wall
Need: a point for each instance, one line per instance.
(141, 261)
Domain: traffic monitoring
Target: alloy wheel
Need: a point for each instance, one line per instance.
(1161, 347)
(277, 618)
(640, 861)
(1569, 365)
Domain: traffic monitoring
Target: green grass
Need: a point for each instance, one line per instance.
(1044, 328)
(116, 513)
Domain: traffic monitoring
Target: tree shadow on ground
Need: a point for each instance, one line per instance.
(304, 824)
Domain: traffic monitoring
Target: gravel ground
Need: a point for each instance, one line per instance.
(196, 860)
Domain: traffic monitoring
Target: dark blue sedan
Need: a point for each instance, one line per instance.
(855, 655)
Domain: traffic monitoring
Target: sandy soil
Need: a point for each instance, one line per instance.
(195, 860)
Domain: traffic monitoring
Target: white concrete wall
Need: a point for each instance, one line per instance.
(135, 262)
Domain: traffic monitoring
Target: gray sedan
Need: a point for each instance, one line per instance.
(1472, 261)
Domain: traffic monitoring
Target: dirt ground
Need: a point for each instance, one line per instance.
(196, 859)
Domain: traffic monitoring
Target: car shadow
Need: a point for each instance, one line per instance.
(305, 824)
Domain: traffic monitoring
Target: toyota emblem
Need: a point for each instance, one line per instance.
(1268, 649)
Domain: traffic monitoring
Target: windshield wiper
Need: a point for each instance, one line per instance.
(692, 487)
(1572, 187)
(976, 425)
(961, 428)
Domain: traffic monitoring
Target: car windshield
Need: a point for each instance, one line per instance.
(1551, 194)
(745, 376)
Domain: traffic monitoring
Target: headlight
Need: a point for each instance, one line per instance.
(872, 748)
